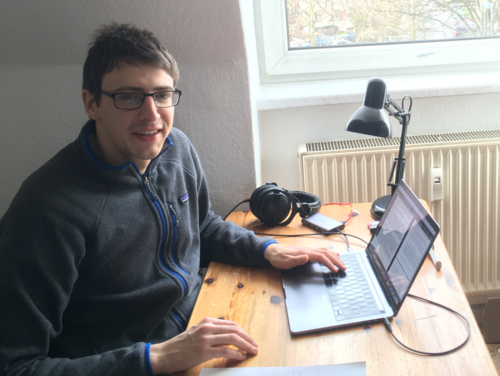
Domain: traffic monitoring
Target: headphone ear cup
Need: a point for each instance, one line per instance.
(274, 208)
(254, 199)
(270, 205)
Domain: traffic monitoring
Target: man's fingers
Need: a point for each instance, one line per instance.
(226, 352)
(331, 261)
(286, 257)
(328, 251)
(208, 339)
(300, 260)
(220, 322)
(218, 327)
(234, 340)
(326, 261)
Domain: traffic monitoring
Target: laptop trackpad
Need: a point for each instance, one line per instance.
(304, 286)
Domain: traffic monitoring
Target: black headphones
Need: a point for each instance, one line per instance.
(277, 207)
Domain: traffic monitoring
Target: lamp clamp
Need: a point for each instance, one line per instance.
(398, 112)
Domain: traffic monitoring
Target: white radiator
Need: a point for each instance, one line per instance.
(469, 213)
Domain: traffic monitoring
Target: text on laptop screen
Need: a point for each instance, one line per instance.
(401, 242)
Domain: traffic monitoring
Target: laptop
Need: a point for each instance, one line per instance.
(376, 281)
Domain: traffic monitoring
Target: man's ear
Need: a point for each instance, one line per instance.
(90, 105)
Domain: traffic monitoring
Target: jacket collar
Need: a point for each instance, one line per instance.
(94, 155)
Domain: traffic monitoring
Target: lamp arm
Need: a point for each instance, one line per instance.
(401, 159)
(404, 119)
(393, 109)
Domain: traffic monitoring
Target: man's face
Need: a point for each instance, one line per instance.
(131, 135)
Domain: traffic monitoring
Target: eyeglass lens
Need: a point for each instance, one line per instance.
(130, 101)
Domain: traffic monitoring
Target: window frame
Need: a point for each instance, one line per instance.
(278, 64)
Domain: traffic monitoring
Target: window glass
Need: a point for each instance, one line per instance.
(335, 23)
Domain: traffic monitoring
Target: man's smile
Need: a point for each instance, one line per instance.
(148, 133)
(148, 136)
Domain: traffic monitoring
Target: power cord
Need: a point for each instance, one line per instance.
(351, 213)
(327, 233)
(242, 202)
(418, 352)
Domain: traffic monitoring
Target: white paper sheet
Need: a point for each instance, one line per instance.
(348, 369)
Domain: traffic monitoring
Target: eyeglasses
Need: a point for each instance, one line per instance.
(133, 101)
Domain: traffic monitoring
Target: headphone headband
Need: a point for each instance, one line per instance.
(309, 203)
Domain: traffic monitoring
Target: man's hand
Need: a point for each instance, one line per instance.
(287, 257)
(204, 341)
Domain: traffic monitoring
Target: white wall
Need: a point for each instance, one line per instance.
(247, 12)
(43, 49)
(281, 130)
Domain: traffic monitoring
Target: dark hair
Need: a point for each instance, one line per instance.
(123, 43)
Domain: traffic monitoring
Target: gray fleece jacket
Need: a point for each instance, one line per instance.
(97, 262)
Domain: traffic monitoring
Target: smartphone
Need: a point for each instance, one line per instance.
(322, 223)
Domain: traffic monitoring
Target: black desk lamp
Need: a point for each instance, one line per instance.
(371, 119)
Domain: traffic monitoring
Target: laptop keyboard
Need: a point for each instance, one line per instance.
(349, 293)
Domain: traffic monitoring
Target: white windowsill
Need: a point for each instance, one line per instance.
(352, 90)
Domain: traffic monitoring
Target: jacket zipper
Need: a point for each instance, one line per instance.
(155, 200)
(175, 221)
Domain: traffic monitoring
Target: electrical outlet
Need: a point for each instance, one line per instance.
(436, 184)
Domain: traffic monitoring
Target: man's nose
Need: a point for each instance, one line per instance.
(148, 110)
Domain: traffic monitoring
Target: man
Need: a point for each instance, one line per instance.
(100, 248)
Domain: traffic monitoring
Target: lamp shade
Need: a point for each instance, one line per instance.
(371, 119)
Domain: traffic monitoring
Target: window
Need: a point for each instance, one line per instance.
(334, 23)
(316, 52)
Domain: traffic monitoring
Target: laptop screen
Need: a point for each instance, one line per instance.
(403, 238)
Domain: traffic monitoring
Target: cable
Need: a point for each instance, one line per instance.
(342, 203)
(389, 328)
(403, 102)
(349, 249)
(357, 237)
(242, 202)
(298, 235)
(327, 233)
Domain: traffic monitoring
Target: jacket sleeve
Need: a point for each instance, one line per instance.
(39, 258)
(224, 241)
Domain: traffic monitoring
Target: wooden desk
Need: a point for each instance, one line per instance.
(253, 297)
